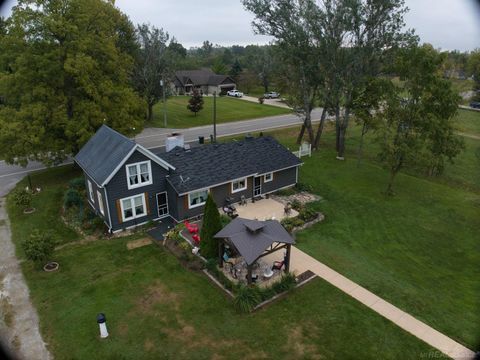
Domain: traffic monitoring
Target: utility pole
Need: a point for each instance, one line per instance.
(214, 116)
(162, 84)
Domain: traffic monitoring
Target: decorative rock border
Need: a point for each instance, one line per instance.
(54, 267)
(320, 217)
(29, 211)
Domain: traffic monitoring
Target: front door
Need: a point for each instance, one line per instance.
(257, 186)
(162, 204)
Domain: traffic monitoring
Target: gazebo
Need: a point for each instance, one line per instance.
(254, 239)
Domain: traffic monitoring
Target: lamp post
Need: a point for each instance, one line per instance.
(164, 104)
(214, 116)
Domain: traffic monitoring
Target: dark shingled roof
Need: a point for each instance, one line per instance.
(103, 152)
(200, 77)
(252, 243)
(208, 165)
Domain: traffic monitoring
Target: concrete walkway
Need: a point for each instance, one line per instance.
(19, 328)
(301, 262)
(273, 102)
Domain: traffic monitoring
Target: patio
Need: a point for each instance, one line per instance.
(263, 209)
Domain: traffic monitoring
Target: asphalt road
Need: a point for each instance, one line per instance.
(155, 137)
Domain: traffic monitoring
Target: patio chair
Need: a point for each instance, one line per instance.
(243, 200)
(192, 228)
(277, 265)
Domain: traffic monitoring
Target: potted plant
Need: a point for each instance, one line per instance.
(39, 247)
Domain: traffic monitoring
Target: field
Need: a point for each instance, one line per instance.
(228, 110)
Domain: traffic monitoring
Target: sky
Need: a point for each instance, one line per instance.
(446, 24)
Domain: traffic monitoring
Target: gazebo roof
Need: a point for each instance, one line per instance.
(252, 237)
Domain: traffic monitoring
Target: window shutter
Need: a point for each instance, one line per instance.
(185, 202)
(147, 203)
(119, 211)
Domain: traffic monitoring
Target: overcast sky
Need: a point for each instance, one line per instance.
(447, 24)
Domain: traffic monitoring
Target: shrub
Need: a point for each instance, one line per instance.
(210, 226)
(261, 99)
(296, 204)
(72, 198)
(303, 187)
(290, 223)
(39, 246)
(285, 284)
(307, 214)
(22, 198)
(247, 298)
(77, 183)
(212, 268)
(225, 220)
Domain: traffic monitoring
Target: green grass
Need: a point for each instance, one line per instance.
(156, 309)
(47, 203)
(228, 110)
(469, 122)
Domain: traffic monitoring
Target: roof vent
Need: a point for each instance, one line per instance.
(187, 148)
(253, 226)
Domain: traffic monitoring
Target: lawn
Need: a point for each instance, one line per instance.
(419, 249)
(156, 309)
(228, 110)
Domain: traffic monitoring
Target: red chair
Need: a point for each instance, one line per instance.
(196, 239)
(192, 228)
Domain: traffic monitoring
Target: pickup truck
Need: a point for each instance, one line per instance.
(235, 93)
(271, 95)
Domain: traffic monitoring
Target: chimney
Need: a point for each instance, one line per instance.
(174, 140)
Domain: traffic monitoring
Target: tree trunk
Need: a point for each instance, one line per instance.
(341, 135)
(337, 127)
(389, 190)
(360, 146)
(300, 135)
(149, 112)
(320, 129)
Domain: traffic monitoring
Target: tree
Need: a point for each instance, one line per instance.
(417, 118)
(153, 66)
(39, 247)
(235, 70)
(474, 70)
(287, 22)
(177, 48)
(219, 67)
(66, 70)
(195, 104)
(210, 226)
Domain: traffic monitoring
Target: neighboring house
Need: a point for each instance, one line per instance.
(128, 185)
(205, 81)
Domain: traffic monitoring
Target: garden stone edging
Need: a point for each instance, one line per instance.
(320, 217)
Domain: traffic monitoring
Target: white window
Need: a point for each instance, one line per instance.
(139, 174)
(197, 198)
(133, 207)
(90, 190)
(239, 185)
(100, 202)
(268, 177)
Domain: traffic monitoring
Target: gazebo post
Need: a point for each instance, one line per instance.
(249, 274)
(287, 258)
(221, 250)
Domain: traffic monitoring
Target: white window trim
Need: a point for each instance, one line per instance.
(100, 202)
(196, 205)
(265, 177)
(239, 189)
(134, 216)
(150, 178)
(90, 190)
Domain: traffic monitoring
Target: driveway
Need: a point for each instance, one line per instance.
(19, 328)
(273, 102)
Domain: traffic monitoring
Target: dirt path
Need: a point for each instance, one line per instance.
(19, 328)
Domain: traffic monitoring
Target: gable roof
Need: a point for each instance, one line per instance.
(106, 151)
(214, 164)
(252, 237)
(201, 77)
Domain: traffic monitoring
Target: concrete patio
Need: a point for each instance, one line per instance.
(264, 209)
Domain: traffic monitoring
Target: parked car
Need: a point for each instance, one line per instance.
(475, 104)
(271, 95)
(235, 93)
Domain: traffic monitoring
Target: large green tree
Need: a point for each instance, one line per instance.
(154, 65)
(65, 69)
(418, 116)
(474, 70)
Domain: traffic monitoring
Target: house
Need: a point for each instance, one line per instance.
(128, 185)
(205, 81)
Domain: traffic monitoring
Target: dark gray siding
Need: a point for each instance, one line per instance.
(173, 201)
(94, 202)
(280, 180)
(117, 189)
